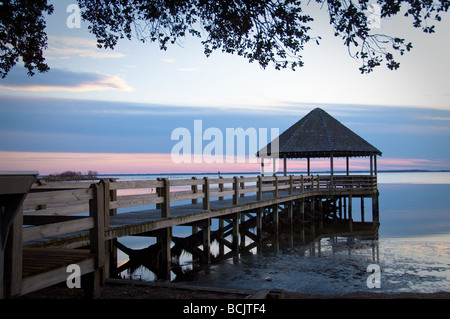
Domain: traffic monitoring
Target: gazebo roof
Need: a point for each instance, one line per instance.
(318, 134)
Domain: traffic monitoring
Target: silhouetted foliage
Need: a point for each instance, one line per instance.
(71, 176)
(22, 34)
(269, 32)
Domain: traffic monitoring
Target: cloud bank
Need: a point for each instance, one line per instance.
(64, 80)
(65, 47)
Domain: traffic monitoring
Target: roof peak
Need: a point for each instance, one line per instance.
(318, 134)
(316, 110)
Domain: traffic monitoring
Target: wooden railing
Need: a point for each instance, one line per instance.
(56, 209)
(45, 215)
(49, 212)
(55, 199)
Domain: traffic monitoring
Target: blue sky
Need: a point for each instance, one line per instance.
(129, 100)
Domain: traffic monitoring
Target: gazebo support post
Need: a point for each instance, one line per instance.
(371, 165)
(375, 164)
(332, 169)
(331, 165)
(348, 166)
(309, 166)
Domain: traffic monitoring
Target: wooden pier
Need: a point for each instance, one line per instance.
(60, 224)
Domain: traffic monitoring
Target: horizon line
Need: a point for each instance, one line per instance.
(292, 172)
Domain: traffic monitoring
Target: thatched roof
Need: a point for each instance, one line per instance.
(319, 134)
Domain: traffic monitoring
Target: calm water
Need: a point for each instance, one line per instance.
(412, 249)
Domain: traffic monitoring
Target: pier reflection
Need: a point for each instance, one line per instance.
(327, 238)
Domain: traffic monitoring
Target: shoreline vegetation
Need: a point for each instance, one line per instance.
(70, 176)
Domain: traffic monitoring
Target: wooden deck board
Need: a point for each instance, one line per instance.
(38, 260)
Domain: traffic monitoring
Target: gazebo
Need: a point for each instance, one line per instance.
(319, 135)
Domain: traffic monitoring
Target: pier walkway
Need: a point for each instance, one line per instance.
(61, 224)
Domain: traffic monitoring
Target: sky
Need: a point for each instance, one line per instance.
(116, 111)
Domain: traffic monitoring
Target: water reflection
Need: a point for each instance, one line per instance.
(261, 259)
(412, 210)
(334, 261)
(295, 261)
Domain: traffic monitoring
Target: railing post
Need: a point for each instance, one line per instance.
(106, 186)
(242, 186)
(301, 185)
(206, 200)
(96, 210)
(12, 255)
(165, 192)
(97, 238)
(112, 197)
(221, 188)
(159, 193)
(110, 251)
(291, 184)
(275, 192)
(318, 182)
(236, 190)
(194, 189)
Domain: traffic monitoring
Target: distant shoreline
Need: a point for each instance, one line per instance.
(99, 176)
(300, 172)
